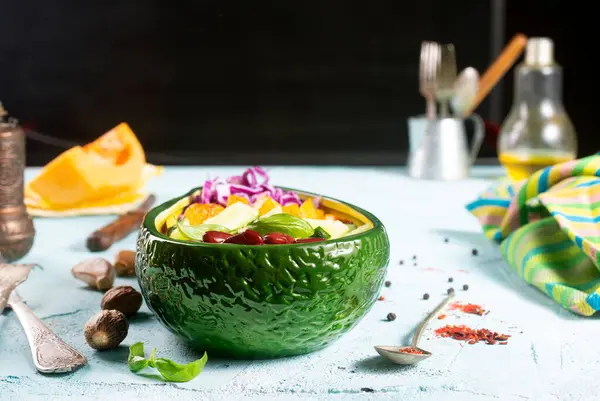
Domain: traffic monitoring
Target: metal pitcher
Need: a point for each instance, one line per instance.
(439, 149)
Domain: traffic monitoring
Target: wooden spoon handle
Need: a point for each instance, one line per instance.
(102, 239)
(496, 71)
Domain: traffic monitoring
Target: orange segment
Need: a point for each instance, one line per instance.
(234, 199)
(292, 209)
(268, 205)
(309, 211)
(197, 213)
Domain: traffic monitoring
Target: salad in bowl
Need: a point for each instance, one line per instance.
(248, 210)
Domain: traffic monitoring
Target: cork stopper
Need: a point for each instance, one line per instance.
(539, 52)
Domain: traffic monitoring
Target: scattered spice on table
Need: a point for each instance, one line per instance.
(388, 283)
(471, 336)
(426, 296)
(411, 350)
(401, 262)
(450, 279)
(414, 257)
(465, 287)
(367, 390)
(442, 316)
(473, 309)
(381, 298)
(474, 252)
(446, 240)
(450, 290)
(391, 316)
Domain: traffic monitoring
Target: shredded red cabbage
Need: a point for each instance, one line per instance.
(251, 185)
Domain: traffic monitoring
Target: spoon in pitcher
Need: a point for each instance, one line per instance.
(466, 87)
(408, 355)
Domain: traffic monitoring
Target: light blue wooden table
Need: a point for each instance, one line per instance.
(552, 355)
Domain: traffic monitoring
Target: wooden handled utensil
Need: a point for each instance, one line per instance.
(125, 224)
(496, 71)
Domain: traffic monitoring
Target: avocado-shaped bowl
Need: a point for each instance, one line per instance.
(264, 301)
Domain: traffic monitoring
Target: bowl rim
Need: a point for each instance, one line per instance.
(149, 224)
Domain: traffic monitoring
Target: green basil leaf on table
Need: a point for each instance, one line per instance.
(320, 233)
(197, 232)
(169, 370)
(175, 372)
(137, 360)
(283, 223)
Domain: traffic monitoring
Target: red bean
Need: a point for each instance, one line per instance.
(304, 240)
(248, 237)
(278, 239)
(215, 237)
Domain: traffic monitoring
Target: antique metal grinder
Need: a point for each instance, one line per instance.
(16, 226)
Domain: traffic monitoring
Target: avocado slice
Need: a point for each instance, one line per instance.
(234, 216)
(335, 228)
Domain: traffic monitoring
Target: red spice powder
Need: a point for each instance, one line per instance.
(473, 309)
(442, 316)
(472, 336)
(381, 298)
(410, 350)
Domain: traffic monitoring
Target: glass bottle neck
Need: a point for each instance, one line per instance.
(534, 85)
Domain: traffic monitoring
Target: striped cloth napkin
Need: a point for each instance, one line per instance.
(548, 228)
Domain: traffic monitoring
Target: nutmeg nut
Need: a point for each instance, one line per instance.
(98, 273)
(123, 298)
(125, 263)
(106, 329)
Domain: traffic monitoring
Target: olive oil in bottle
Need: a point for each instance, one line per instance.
(537, 132)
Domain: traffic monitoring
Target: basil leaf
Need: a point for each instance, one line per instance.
(152, 359)
(175, 372)
(320, 233)
(197, 232)
(169, 370)
(283, 223)
(137, 360)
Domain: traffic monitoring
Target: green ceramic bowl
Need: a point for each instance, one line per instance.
(262, 301)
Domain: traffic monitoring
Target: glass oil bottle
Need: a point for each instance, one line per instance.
(537, 132)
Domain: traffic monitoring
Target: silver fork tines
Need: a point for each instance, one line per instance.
(446, 77)
(428, 67)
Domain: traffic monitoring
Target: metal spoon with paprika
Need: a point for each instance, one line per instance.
(408, 355)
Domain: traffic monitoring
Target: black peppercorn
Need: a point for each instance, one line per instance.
(388, 283)
(426, 296)
(474, 252)
(446, 240)
(450, 279)
(401, 262)
(450, 290)
(414, 257)
(465, 287)
(391, 316)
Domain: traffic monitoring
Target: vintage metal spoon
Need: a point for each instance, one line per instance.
(50, 353)
(11, 275)
(393, 353)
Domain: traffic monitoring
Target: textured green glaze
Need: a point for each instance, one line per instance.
(260, 301)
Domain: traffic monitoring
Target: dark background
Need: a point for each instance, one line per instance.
(269, 82)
